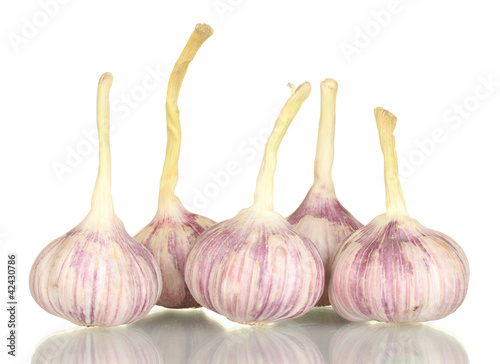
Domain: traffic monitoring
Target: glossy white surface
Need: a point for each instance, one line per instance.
(193, 336)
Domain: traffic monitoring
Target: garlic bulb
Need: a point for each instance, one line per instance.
(255, 267)
(173, 229)
(380, 343)
(394, 269)
(96, 274)
(321, 217)
(97, 345)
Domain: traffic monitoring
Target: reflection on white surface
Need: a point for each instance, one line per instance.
(259, 344)
(391, 343)
(97, 346)
(319, 325)
(177, 334)
(191, 336)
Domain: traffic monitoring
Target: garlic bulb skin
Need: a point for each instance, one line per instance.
(169, 238)
(326, 223)
(256, 268)
(321, 217)
(97, 274)
(394, 269)
(172, 232)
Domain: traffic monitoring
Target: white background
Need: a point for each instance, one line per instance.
(424, 61)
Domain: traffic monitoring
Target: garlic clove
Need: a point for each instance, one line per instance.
(172, 232)
(394, 269)
(321, 217)
(97, 274)
(256, 268)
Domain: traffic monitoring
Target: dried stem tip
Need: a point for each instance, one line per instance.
(395, 203)
(170, 173)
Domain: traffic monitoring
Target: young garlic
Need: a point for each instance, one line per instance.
(96, 274)
(394, 269)
(255, 267)
(321, 217)
(173, 229)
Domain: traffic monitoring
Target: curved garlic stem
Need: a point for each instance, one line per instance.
(101, 198)
(394, 200)
(326, 134)
(263, 198)
(170, 173)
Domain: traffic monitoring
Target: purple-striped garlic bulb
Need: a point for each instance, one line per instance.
(321, 217)
(256, 267)
(172, 232)
(394, 269)
(96, 274)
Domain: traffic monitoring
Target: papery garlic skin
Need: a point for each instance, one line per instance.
(169, 238)
(256, 268)
(394, 269)
(265, 270)
(96, 275)
(321, 217)
(173, 230)
(398, 271)
(327, 223)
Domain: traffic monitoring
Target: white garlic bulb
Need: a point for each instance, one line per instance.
(255, 267)
(321, 217)
(394, 269)
(97, 274)
(172, 232)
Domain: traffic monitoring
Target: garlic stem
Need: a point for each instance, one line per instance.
(326, 134)
(101, 198)
(263, 198)
(170, 173)
(394, 200)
